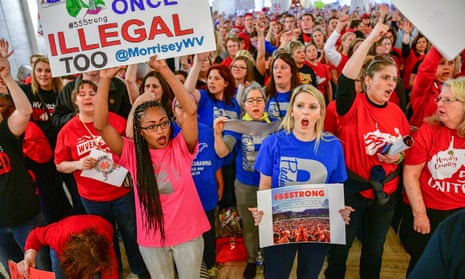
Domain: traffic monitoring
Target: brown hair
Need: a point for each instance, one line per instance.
(57, 83)
(225, 73)
(85, 254)
(166, 97)
(270, 89)
(78, 87)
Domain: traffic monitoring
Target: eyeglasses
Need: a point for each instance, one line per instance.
(154, 127)
(258, 100)
(446, 100)
(238, 67)
(382, 59)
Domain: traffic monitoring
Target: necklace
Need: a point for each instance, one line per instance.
(94, 137)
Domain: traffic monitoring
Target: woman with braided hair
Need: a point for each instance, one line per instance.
(170, 217)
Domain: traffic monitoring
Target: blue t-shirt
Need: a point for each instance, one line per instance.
(290, 161)
(204, 167)
(208, 109)
(277, 106)
(248, 146)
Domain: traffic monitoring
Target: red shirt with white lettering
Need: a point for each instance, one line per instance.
(442, 179)
(74, 142)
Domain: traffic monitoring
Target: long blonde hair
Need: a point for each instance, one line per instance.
(288, 121)
(57, 83)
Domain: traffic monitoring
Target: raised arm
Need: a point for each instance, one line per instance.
(345, 96)
(4, 45)
(260, 60)
(109, 134)
(331, 52)
(355, 63)
(191, 79)
(131, 84)
(189, 116)
(221, 147)
(18, 120)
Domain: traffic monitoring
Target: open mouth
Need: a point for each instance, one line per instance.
(304, 122)
(162, 140)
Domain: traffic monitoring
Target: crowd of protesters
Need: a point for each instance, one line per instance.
(350, 80)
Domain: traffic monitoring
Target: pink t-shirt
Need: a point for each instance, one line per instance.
(184, 217)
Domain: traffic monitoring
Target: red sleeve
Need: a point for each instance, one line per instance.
(56, 234)
(50, 235)
(36, 146)
(330, 124)
(423, 85)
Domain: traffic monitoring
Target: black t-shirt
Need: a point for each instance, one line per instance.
(307, 75)
(18, 202)
(43, 107)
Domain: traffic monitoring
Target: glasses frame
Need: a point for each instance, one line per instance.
(152, 128)
(447, 100)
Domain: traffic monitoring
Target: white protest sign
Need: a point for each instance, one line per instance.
(442, 22)
(86, 35)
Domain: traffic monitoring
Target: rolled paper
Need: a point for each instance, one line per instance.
(401, 145)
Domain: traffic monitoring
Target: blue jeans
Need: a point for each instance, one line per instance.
(12, 240)
(280, 258)
(121, 213)
(374, 220)
(186, 256)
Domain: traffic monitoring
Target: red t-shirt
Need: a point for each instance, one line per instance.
(323, 76)
(442, 179)
(409, 63)
(55, 235)
(364, 130)
(426, 88)
(331, 118)
(75, 142)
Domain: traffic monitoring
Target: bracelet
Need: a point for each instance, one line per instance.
(401, 158)
(30, 251)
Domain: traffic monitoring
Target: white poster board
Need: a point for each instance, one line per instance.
(442, 22)
(86, 35)
(301, 213)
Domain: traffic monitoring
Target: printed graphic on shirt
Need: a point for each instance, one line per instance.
(249, 151)
(39, 113)
(217, 112)
(445, 164)
(305, 78)
(5, 162)
(376, 140)
(274, 109)
(320, 80)
(294, 171)
(198, 166)
(86, 143)
(165, 185)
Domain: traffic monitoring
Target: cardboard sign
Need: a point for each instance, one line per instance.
(86, 35)
(33, 272)
(441, 22)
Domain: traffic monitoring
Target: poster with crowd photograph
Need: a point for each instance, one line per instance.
(301, 213)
